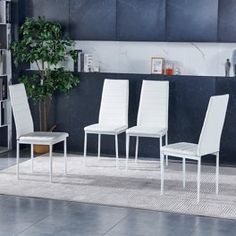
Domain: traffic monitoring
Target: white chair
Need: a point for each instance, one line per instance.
(25, 128)
(209, 142)
(113, 116)
(152, 119)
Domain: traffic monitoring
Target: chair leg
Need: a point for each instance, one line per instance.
(217, 172)
(65, 157)
(50, 162)
(160, 142)
(99, 146)
(136, 149)
(162, 173)
(17, 159)
(32, 157)
(117, 152)
(127, 151)
(166, 143)
(85, 147)
(198, 180)
(184, 172)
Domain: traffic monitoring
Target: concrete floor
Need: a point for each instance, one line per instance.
(34, 217)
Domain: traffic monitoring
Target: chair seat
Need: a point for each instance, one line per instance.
(45, 138)
(105, 129)
(189, 149)
(145, 131)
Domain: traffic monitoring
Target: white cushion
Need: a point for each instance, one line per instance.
(43, 137)
(181, 149)
(105, 129)
(146, 131)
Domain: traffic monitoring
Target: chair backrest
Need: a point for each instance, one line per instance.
(209, 141)
(154, 104)
(21, 110)
(115, 102)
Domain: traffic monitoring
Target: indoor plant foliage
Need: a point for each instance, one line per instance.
(41, 43)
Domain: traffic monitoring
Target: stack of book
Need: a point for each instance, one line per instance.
(85, 62)
(5, 12)
(3, 88)
(3, 113)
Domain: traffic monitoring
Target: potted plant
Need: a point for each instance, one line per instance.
(41, 43)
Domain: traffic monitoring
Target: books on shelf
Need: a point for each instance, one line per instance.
(5, 12)
(3, 89)
(3, 114)
(85, 62)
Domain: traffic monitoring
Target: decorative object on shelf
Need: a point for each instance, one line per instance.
(234, 61)
(169, 70)
(5, 12)
(177, 71)
(227, 68)
(157, 65)
(88, 63)
(96, 69)
(41, 43)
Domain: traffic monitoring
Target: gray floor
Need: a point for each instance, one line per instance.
(33, 217)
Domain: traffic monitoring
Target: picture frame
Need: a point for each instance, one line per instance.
(157, 65)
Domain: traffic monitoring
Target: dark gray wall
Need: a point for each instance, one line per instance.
(140, 20)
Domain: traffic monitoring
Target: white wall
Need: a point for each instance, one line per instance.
(205, 59)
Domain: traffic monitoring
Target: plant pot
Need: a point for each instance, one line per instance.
(41, 149)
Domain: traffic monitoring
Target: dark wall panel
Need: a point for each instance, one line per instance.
(141, 20)
(192, 20)
(93, 19)
(54, 10)
(227, 21)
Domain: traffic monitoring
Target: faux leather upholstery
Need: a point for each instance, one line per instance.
(181, 148)
(21, 110)
(105, 129)
(113, 115)
(209, 141)
(43, 137)
(24, 121)
(146, 131)
(152, 118)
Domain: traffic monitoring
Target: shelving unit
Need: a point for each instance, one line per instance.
(5, 76)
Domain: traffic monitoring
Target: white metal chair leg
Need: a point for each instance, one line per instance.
(162, 173)
(136, 149)
(217, 172)
(184, 172)
(160, 141)
(198, 180)
(17, 159)
(117, 152)
(127, 151)
(166, 143)
(99, 146)
(65, 157)
(32, 157)
(85, 147)
(50, 162)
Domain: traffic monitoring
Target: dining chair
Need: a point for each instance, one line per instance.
(113, 115)
(25, 129)
(209, 142)
(152, 121)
